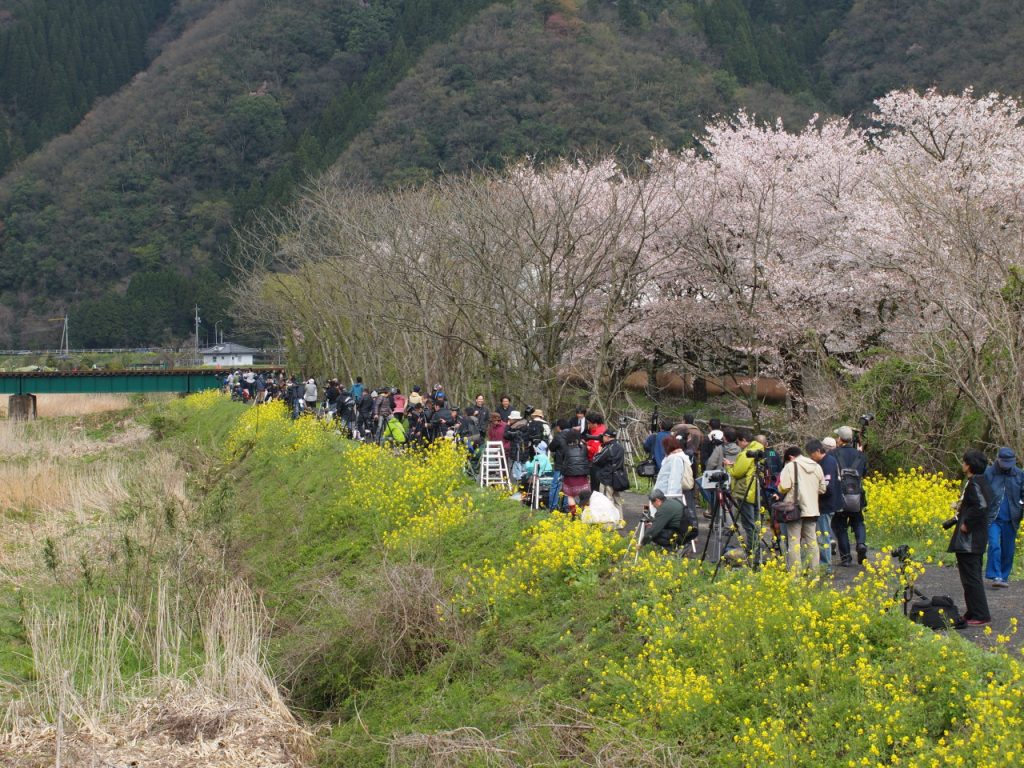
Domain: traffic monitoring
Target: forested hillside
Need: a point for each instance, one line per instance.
(56, 58)
(130, 218)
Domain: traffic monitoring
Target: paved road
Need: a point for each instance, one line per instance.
(1004, 604)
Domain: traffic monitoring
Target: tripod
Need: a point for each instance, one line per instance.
(722, 505)
(637, 537)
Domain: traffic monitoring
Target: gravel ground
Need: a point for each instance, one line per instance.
(1004, 604)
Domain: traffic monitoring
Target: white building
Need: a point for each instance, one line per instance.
(228, 355)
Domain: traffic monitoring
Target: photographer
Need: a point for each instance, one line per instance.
(853, 468)
(744, 487)
(672, 523)
(609, 466)
(970, 536)
(1007, 482)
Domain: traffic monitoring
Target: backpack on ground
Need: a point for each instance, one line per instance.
(938, 612)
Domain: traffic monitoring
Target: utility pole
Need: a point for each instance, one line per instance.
(65, 339)
(198, 321)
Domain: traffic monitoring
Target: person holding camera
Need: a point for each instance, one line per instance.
(744, 487)
(667, 528)
(801, 482)
(970, 536)
(609, 466)
(1007, 482)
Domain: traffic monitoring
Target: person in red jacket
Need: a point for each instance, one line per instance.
(595, 428)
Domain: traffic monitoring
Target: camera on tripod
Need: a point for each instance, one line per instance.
(757, 455)
(715, 479)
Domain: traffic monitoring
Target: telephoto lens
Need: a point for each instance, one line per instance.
(949, 523)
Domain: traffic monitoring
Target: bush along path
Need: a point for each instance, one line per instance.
(427, 622)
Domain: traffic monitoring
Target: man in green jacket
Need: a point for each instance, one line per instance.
(744, 488)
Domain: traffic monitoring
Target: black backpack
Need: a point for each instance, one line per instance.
(852, 487)
(938, 612)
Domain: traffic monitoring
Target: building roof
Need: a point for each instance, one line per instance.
(228, 348)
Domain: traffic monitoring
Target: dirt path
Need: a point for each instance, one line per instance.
(1004, 604)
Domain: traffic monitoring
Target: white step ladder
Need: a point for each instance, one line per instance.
(493, 466)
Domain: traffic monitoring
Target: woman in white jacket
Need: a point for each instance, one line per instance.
(676, 474)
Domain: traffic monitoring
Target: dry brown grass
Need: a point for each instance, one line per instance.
(49, 406)
(228, 712)
(74, 509)
(573, 737)
(86, 509)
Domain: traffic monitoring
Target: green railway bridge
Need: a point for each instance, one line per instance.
(23, 386)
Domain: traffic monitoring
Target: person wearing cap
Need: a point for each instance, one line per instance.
(416, 396)
(1006, 480)
(608, 465)
(309, 395)
(669, 515)
(539, 429)
(850, 459)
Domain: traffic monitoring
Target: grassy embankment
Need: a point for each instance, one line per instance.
(431, 623)
(118, 618)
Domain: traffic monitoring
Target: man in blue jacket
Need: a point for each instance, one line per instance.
(1004, 514)
(829, 502)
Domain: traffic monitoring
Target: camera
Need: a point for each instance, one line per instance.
(901, 553)
(867, 418)
(715, 479)
(757, 455)
(947, 524)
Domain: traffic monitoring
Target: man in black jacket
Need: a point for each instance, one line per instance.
(480, 415)
(609, 462)
(556, 450)
(853, 468)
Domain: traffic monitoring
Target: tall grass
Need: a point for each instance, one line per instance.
(74, 405)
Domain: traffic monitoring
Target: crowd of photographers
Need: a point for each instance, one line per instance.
(810, 499)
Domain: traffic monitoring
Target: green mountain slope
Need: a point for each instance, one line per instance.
(56, 58)
(517, 82)
(129, 219)
(144, 193)
(951, 44)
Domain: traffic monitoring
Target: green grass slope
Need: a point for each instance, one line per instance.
(428, 622)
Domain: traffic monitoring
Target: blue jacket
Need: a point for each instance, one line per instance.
(832, 500)
(655, 449)
(1008, 484)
